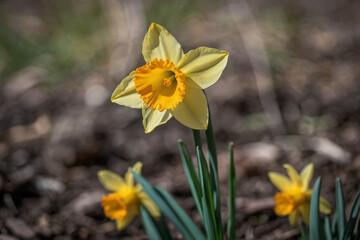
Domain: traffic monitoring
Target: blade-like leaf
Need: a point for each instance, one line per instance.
(191, 176)
(304, 232)
(176, 215)
(232, 194)
(163, 228)
(210, 140)
(327, 228)
(209, 227)
(315, 224)
(180, 213)
(216, 196)
(150, 225)
(206, 191)
(334, 223)
(353, 216)
(340, 212)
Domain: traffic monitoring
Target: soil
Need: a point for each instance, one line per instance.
(289, 94)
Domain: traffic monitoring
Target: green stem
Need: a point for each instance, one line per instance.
(211, 144)
(197, 138)
(210, 139)
(232, 194)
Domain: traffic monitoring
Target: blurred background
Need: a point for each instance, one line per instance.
(289, 94)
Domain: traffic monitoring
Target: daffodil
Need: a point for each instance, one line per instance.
(124, 204)
(295, 196)
(171, 83)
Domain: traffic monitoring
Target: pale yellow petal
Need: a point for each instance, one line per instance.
(280, 181)
(293, 174)
(149, 204)
(193, 110)
(159, 43)
(120, 225)
(154, 118)
(294, 218)
(204, 65)
(138, 167)
(125, 93)
(305, 212)
(324, 206)
(190, 83)
(306, 175)
(111, 181)
(138, 187)
(129, 177)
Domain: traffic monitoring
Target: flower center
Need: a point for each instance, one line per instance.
(160, 84)
(286, 203)
(117, 205)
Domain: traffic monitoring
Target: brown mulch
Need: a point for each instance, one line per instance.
(54, 140)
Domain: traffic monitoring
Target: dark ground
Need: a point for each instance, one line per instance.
(58, 127)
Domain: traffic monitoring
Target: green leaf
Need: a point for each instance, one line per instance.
(232, 194)
(213, 162)
(197, 138)
(210, 140)
(191, 176)
(315, 224)
(334, 223)
(327, 228)
(340, 212)
(180, 213)
(171, 209)
(304, 233)
(209, 226)
(216, 196)
(150, 225)
(207, 194)
(354, 213)
(163, 228)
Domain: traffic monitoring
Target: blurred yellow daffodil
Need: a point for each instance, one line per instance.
(295, 196)
(171, 83)
(124, 204)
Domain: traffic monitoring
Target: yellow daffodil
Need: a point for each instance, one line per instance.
(171, 83)
(295, 196)
(124, 204)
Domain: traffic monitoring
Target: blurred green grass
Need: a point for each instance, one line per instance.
(174, 12)
(69, 39)
(65, 40)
